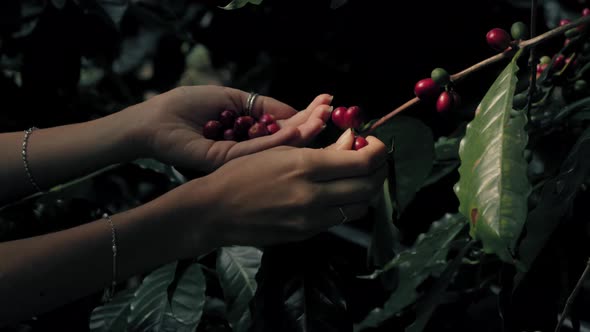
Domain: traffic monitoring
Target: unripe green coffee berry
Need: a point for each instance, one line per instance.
(571, 33)
(580, 86)
(520, 100)
(545, 60)
(519, 30)
(440, 76)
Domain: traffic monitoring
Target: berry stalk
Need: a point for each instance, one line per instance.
(457, 77)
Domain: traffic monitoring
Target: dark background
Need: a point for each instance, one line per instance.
(367, 53)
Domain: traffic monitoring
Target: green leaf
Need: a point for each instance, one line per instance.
(384, 240)
(59, 4)
(556, 199)
(188, 298)
(427, 257)
(237, 268)
(446, 152)
(579, 111)
(161, 168)
(235, 4)
(413, 155)
(115, 9)
(428, 303)
(299, 291)
(335, 4)
(150, 304)
(493, 186)
(112, 316)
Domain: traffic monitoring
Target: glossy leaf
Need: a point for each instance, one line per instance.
(427, 257)
(150, 304)
(237, 268)
(188, 298)
(115, 9)
(298, 290)
(235, 4)
(446, 159)
(493, 186)
(161, 168)
(556, 199)
(112, 316)
(335, 4)
(413, 153)
(428, 303)
(384, 240)
(59, 4)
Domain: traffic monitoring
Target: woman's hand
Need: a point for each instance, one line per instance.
(172, 123)
(278, 195)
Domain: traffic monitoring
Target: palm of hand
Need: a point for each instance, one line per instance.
(177, 125)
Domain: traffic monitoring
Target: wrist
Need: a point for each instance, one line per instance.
(125, 134)
(189, 210)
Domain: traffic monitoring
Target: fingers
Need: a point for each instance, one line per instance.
(350, 190)
(318, 108)
(312, 126)
(344, 142)
(328, 164)
(262, 104)
(323, 99)
(281, 137)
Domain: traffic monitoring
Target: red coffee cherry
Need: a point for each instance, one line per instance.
(273, 128)
(229, 135)
(242, 125)
(212, 129)
(345, 118)
(426, 89)
(359, 143)
(559, 62)
(338, 115)
(227, 118)
(498, 39)
(564, 21)
(586, 12)
(353, 115)
(257, 130)
(447, 100)
(266, 119)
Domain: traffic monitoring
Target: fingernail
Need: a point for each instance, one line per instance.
(330, 109)
(330, 100)
(345, 141)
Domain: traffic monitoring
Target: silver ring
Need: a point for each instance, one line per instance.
(345, 218)
(250, 102)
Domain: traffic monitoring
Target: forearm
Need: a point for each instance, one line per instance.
(58, 154)
(41, 273)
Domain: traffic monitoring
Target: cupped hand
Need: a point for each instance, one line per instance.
(172, 123)
(283, 194)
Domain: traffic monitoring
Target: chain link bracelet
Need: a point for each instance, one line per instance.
(110, 291)
(28, 133)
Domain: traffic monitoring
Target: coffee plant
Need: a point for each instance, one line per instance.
(481, 224)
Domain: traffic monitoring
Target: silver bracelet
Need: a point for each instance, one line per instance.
(25, 161)
(110, 291)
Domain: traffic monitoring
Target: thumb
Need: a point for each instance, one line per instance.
(344, 142)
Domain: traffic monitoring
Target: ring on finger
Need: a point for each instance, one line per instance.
(250, 103)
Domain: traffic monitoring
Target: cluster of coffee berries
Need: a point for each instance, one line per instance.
(231, 127)
(559, 62)
(573, 32)
(500, 40)
(350, 117)
(438, 86)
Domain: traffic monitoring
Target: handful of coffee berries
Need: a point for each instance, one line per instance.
(231, 127)
(350, 117)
